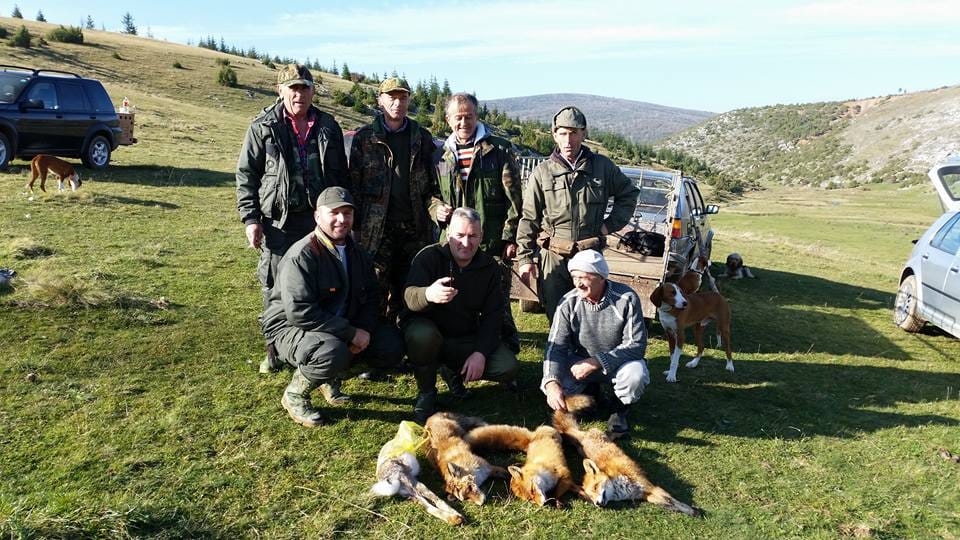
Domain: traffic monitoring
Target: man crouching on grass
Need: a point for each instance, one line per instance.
(322, 311)
(597, 342)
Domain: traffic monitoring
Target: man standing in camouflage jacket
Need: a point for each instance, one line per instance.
(394, 182)
(479, 170)
(291, 152)
(563, 207)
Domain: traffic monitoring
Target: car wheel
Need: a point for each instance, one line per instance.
(530, 306)
(97, 154)
(905, 306)
(5, 152)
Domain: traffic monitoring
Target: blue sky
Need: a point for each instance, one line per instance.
(705, 55)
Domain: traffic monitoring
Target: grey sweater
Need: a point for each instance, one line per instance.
(612, 331)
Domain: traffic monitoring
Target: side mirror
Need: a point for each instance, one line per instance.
(31, 104)
(713, 209)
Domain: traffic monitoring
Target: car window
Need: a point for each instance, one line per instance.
(948, 237)
(11, 84)
(694, 203)
(98, 96)
(45, 92)
(71, 96)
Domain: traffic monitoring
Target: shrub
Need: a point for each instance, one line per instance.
(116, 56)
(222, 62)
(21, 38)
(177, 65)
(72, 34)
(342, 98)
(227, 77)
(4, 32)
(266, 61)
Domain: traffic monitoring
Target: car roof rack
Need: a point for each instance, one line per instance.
(35, 72)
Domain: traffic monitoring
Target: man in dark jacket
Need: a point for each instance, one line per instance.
(479, 170)
(455, 313)
(291, 152)
(395, 182)
(323, 310)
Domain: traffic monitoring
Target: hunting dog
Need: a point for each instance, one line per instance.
(41, 164)
(677, 311)
(690, 281)
(735, 269)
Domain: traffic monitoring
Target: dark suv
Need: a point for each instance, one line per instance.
(57, 113)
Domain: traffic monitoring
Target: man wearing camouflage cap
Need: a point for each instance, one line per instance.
(395, 182)
(564, 203)
(291, 152)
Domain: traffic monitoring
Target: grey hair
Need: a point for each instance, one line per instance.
(468, 214)
(461, 97)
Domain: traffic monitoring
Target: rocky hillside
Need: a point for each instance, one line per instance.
(884, 139)
(638, 121)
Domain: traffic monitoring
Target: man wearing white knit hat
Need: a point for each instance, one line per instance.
(597, 342)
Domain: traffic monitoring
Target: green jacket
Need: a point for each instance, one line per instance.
(263, 173)
(492, 189)
(570, 204)
(371, 173)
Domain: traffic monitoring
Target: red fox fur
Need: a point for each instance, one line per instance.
(463, 471)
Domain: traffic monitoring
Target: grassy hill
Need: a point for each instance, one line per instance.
(130, 404)
(886, 139)
(636, 120)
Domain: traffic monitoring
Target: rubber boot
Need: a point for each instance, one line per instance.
(617, 425)
(425, 406)
(296, 401)
(454, 382)
(332, 393)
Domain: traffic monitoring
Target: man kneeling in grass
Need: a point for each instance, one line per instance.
(597, 342)
(323, 310)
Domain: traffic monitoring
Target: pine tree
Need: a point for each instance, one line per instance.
(345, 72)
(40, 16)
(223, 45)
(89, 23)
(16, 12)
(446, 89)
(128, 26)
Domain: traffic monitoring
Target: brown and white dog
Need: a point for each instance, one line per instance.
(677, 311)
(735, 269)
(690, 281)
(41, 164)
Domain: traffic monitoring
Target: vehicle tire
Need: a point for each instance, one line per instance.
(97, 154)
(530, 306)
(6, 152)
(905, 313)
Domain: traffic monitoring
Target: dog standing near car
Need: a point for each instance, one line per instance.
(43, 164)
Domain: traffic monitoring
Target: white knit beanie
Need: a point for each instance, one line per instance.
(589, 260)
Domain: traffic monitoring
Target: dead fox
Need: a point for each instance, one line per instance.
(463, 471)
(609, 474)
(397, 475)
(545, 471)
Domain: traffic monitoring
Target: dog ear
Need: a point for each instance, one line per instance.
(657, 296)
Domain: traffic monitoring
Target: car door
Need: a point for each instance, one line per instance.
(75, 116)
(38, 128)
(939, 275)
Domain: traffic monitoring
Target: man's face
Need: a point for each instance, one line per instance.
(587, 284)
(394, 105)
(569, 141)
(463, 237)
(336, 223)
(462, 119)
(296, 99)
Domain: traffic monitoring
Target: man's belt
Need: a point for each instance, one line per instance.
(568, 248)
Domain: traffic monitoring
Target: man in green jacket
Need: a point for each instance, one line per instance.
(322, 312)
(479, 170)
(454, 313)
(394, 181)
(291, 152)
(563, 208)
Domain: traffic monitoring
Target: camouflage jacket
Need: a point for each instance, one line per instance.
(263, 173)
(371, 174)
(492, 187)
(570, 204)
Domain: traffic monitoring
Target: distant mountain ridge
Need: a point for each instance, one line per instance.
(636, 120)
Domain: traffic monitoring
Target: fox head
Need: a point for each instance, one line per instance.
(526, 486)
(462, 484)
(598, 487)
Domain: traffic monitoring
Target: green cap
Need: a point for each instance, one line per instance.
(569, 117)
(392, 84)
(292, 74)
(334, 197)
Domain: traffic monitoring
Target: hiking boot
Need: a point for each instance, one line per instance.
(617, 425)
(373, 374)
(331, 392)
(271, 363)
(425, 406)
(296, 401)
(454, 382)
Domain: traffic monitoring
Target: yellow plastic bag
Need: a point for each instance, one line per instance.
(409, 438)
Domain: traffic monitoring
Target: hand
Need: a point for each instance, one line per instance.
(555, 397)
(509, 251)
(584, 368)
(360, 341)
(440, 292)
(529, 273)
(254, 235)
(443, 213)
(473, 367)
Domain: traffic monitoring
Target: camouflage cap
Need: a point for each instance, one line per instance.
(569, 117)
(334, 197)
(393, 84)
(292, 74)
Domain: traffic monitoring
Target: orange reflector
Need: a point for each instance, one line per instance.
(675, 231)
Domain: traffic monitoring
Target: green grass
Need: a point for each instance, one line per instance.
(144, 415)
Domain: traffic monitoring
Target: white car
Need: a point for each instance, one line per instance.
(930, 281)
